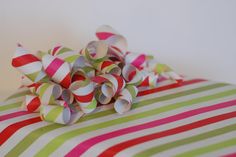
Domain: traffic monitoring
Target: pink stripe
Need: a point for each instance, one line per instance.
(104, 35)
(139, 60)
(54, 66)
(84, 146)
(230, 155)
(55, 50)
(13, 115)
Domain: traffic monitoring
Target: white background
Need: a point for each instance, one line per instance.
(196, 37)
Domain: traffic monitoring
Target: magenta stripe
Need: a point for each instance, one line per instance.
(84, 146)
(139, 60)
(230, 155)
(13, 115)
(53, 66)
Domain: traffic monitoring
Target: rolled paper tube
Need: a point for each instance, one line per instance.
(49, 92)
(110, 84)
(101, 98)
(103, 32)
(167, 72)
(96, 51)
(67, 96)
(137, 60)
(84, 94)
(56, 114)
(112, 38)
(28, 64)
(124, 101)
(107, 66)
(64, 53)
(132, 75)
(57, 70)
(149, 79)
(32, 103)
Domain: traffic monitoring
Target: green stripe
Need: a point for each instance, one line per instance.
(18, 94)
(131, 89)
(59, 140)
(54, 113)
(33, 76)
(63, 50)
(157, 149)
(210, 148)
(71, 59)
(34, 135)
(43, 88)
(92, 105)
(10, 106)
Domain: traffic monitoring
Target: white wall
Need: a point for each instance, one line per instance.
(195, 37)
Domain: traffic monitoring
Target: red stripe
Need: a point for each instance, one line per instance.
(174, 85)
(13, 115)
(54, 66)
(124, 145)
(14, 126)
(11, 129)
(120, 82)
(55, 50)
(105, 64)
(34, 104)
(66, 81)
(87, 144)
(23, 60)
(85, 98)
(104, 35)
(230, 155)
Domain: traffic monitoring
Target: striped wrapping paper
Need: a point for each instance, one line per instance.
(197, 118)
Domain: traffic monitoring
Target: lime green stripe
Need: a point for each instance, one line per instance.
(43, 88)
(63, 50)
(53, 114)
(71, 59)
(192, 139)
(131, 90)
(92, 105)
(59, 140)
(10, 106)
(210, 148)
(34, 135)
(33, 76)
(18, 94)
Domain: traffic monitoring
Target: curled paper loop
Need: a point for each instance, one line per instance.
(124, 101)
(28, 64)
(84, 94)
(32, 103)
(110, 85)
(66, 84)
(57, 69)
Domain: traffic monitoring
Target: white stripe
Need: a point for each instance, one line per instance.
(40, 143)
(61, 73)
(196, 145)
(12, 101)
(8, 122)
(144, 146)
(31, 67)
(174, 90)
(19, 135)
(9, 111)
(106, 144)
(49, 136)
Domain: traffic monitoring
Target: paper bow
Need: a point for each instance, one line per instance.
(68, 84)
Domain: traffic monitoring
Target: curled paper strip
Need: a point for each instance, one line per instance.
(66, 84)
(124, 101)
